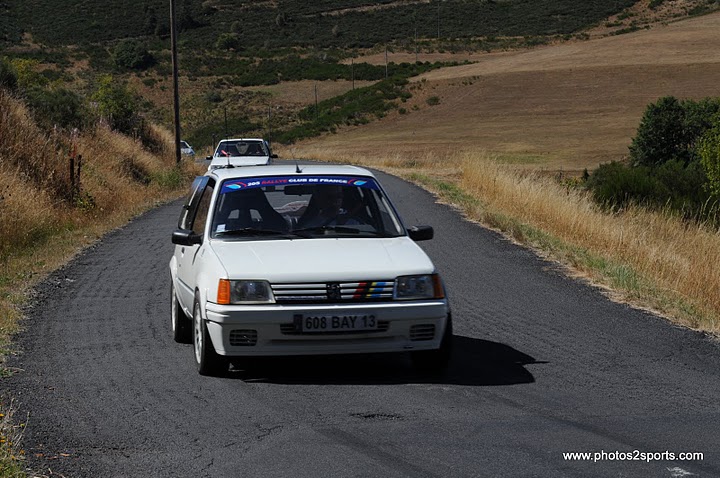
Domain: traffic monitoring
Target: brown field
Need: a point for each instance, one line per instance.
(298, 94)
(564, 107)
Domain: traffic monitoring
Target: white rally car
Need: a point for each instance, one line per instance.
(288, 260)
(241, 152)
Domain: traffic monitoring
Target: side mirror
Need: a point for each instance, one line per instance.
(274, 156)
(208, 158)
(421, 233)
(183, 237)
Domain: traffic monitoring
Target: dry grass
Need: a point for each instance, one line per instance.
(655, 259)
(11, 434)
(567, 107)
(650, 260)
(43, 223)
(118, 179)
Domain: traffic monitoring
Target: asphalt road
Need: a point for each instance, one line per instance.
(543, 365)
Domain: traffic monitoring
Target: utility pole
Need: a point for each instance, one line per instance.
(316, 103)
(438, 36)
(226, 128)
(352, 71)
(386, 63)
(176, 94)
(416, 45)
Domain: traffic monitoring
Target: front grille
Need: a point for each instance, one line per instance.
(363, 291)
(422, 332)
(289, 329)
(243, 338)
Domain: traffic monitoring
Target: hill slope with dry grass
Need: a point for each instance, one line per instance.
(570, 106)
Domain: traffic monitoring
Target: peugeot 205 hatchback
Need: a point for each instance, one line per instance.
(279, 261)
(241, 152)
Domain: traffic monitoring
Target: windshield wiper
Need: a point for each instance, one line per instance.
(253, 231)
(322, 229)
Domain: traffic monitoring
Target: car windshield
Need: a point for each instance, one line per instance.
(241, 148)
(302, 207)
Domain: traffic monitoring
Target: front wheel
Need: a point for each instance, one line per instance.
(435, 361)
(208, 362)
(181, 326)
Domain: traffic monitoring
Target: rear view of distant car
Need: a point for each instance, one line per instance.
(241, 152)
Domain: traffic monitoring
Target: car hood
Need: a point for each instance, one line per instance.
(323, 260)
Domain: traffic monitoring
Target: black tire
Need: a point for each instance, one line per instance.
(435, 361)
(181, 325)
(208, 362)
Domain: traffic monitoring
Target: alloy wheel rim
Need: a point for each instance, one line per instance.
(173, 309)
(198, 335)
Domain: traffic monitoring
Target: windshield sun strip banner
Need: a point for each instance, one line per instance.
(233, 185)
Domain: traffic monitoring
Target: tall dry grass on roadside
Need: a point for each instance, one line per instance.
(43, 218)
(651, 259)
(32, 180)
(673, 264)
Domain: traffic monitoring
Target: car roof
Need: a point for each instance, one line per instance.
(289, 170)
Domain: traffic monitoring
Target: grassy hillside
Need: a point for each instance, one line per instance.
(289, 23)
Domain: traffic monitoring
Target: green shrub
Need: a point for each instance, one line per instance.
(671, 185)
(8, 76)
(655, 3)
(132, 54)
(27, 73)
(227, 41)
(616, 184)
(213, 96)
(57, 107)
(168, 179)
(433, 100)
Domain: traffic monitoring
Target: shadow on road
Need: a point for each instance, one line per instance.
(474, 362)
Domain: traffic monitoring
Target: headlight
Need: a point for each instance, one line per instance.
(428, 286)
(244, 292)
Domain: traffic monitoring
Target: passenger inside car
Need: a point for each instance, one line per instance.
(247, 208)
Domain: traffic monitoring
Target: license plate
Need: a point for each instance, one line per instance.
(335, 323)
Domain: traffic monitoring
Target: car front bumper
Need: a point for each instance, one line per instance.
(271, 330)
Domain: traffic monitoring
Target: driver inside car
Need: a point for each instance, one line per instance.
(328, 207)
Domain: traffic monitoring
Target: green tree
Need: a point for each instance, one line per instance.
(659, 137)
(709, 150)
(670, 129)
(117, 105)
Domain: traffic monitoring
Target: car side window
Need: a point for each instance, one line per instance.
(188, 210)
(198, 226)
(187, 216)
